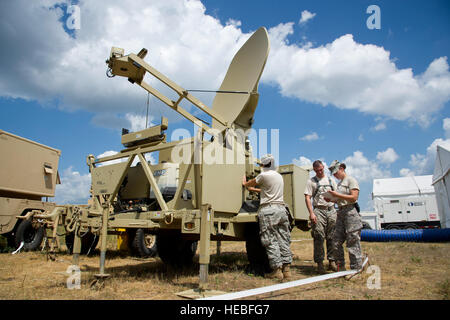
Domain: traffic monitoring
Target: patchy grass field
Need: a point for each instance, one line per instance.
(407, 271)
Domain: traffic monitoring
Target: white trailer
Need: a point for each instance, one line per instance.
(370, 220)
(406, 202)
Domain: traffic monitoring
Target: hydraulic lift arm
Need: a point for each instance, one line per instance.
(133, 67)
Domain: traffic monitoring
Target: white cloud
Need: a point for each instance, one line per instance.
(380, 126)
(363, 169)
(306, 15)
(306, 163)
(355, 76)
(406, 172)
(233, 22)
(310, 137)
(358, 165)
(361, 137)
(137, 122)
(51, 67)
(74, 188)
(108, 154)
(446, 127)
(148, 157)
(302, 161)
(388, 156)
(423, 164)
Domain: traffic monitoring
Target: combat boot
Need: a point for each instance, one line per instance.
(320, 268)
(286, 271)
(275, 274)
(332, 266)
(341, 267)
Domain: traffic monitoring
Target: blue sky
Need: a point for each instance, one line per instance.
(376, 99)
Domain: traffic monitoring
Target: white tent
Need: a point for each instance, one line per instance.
(441, 183)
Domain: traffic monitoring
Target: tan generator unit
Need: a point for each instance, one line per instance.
(28, 172)
(295, 179)
(27, 167)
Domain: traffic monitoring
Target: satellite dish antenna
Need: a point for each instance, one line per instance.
(243, 75)
(235, 101)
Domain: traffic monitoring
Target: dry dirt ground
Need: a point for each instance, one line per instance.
(405, 270)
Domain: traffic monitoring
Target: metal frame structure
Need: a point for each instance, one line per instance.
(208, 216)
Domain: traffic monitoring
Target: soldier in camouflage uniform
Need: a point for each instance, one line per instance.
(323, 216)
(349, 222)
(273, 218)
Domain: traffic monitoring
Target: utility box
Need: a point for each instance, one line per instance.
(295, 179)
(27, 168)
(370, 220)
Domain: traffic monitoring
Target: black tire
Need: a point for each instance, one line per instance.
(144, 244)
(174, 250)
(11, 239)
(88, 242)
(393, 227)
(256, 253)
(31, 237)
(366, 225)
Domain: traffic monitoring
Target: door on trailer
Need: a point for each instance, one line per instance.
(393, 211)
(431, 208)
(415, 209)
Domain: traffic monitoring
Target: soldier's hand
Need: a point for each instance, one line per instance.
(313, 218)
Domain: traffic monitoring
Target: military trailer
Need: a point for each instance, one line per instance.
(194, 194)
(28, 176)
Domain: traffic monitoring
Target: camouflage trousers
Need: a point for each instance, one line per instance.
(348, 228)
(275, 234)
(322, 231)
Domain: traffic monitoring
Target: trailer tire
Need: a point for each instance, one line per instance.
(31, 237)
(256, 253)
(88, 242)
(174, 250)
(366, 225)
(144, 244)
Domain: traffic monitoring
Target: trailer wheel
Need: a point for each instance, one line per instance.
(88, 242)
(256, 253)
(144, 244)
(31, 237)
(366, 225)
(174, 250)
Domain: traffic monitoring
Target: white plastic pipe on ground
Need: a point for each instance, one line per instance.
(282, 286)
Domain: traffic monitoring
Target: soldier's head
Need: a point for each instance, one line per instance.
(267, 162)
(337, 169)
(318, 168)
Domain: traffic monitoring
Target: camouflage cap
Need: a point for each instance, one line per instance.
(334, 166)
(266, 159)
